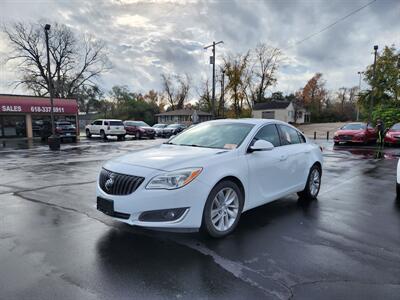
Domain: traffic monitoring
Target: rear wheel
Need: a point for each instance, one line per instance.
(398, 191)
(121, 137)
(103, 135)
(223, 208)
(313, 184)
(88, 134)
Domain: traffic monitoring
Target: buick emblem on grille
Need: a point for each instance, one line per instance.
(109, 183)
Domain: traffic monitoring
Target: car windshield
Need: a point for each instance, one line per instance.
(139, 124)
(354, 127)
(396, 126)
(214, 135)
(116, 123)
(173, 126)
(159, 125)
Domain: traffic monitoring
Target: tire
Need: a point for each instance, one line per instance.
(88, 134)
(103, 135)
(224, 214)
(74, 140)
(121, 137)
(398, 191)
(313, 184)
(336, 143)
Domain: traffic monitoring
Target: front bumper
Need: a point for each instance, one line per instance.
(353, 139)
(392, 140)
(193, 197)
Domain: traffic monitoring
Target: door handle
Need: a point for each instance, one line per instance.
(283, 157)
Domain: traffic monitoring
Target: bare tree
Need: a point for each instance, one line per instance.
(205, 96)
(342, 97)
(75, 63)
(265, 65)
(236, 71)
(176, 88)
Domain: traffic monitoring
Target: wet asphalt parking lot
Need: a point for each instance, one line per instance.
(54, 244)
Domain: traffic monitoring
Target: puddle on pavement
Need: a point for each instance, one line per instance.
(369, 152)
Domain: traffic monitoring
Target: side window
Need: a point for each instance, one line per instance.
(289, 136)
(105, 123)
(269, 133)
(301, 137)
(97, 123)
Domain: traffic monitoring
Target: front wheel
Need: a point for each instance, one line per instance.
(223, 208)
(88, 134)
(398, 191)
(313, 184)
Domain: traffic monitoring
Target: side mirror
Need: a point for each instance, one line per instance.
(261, 145)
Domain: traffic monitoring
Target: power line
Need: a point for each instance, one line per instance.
(334, 23)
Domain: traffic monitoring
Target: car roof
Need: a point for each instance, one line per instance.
(250, 121)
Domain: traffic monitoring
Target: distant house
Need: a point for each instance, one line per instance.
(183, 116)
(281, 110)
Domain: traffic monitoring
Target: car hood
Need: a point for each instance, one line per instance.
(394, 131)
(349, 132)
(170, 157)
(147, 128)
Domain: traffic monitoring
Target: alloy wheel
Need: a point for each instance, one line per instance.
(315, 182)
(224, 209)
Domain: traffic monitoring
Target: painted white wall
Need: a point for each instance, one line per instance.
(286, 114)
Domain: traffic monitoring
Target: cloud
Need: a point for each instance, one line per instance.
(147, 38)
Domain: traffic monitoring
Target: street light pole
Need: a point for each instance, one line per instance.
(53, 140)
(359, 92)
(223, 92)
(212, 61)
(373, 84)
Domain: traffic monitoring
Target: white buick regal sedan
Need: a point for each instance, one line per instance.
(208, 175)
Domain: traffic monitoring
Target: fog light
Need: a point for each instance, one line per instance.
(162, 215)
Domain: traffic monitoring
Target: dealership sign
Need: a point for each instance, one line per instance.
(26, 104)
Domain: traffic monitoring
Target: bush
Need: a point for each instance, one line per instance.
(389, 115)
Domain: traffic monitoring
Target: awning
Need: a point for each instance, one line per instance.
(29, 104)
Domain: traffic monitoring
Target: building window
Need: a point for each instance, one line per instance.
(12, 126)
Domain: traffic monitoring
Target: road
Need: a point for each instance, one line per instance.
(54, 244)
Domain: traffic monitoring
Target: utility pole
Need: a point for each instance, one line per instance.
(371, 106)
(223, 92)
(359, 92)
(212, 61)
(53, 140)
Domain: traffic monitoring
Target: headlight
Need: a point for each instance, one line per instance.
(174, 180)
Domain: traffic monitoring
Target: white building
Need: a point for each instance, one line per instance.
(281, 110)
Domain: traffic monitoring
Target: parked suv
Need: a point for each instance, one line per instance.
(139, 129)
(106, 128)
(63, 129)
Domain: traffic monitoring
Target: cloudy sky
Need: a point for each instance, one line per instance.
(146, 38)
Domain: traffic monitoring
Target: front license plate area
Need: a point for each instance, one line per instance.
(105, 206)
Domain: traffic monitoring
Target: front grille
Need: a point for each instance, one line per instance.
(345, 137)
(118, 184)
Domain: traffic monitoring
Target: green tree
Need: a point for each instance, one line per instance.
(386, 86)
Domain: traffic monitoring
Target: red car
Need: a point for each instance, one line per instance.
(392, 136)
(139, 129)
(356, 133)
